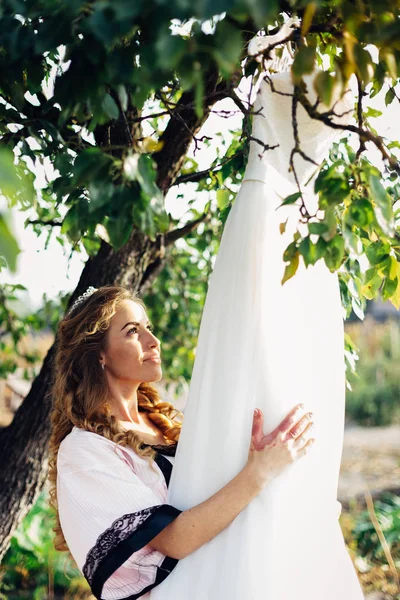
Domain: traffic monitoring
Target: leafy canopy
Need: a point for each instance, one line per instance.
(81, 83)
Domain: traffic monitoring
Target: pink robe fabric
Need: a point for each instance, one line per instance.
(111, 504)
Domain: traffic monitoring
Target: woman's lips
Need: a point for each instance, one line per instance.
(156, 360)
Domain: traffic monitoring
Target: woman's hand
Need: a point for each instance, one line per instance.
(291, 439)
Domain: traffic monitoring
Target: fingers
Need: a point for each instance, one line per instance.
(285, 425)
(257, 419)
(296, 422)
(306, 448)
(294, 415)
(300, 426)
(257, 429)
(304, 437)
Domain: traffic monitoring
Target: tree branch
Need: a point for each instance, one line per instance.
(364, 134)
(182, 128)
(171, 237)
(199, 175)
(43, 222)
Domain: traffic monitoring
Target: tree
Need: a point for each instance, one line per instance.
(119, 65)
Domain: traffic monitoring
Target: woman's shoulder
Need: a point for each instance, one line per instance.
(83, 438)
(82, 449)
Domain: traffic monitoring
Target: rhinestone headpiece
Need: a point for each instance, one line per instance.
(82, 298)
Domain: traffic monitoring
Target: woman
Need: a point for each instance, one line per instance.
(112, 448)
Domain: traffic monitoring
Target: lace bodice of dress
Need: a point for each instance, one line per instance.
(272, 125)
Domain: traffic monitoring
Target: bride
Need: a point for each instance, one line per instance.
(112, 445)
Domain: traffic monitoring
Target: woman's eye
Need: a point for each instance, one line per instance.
(150, 328)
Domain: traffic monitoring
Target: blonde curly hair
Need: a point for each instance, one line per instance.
(79, 389)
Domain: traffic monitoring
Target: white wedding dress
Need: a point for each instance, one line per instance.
(270, 346)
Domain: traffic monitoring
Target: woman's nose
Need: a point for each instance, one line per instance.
(154, 341)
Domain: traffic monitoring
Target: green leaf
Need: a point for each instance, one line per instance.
(9, 248)
(395, 297)
(324, 84)
(261, 12)
(290, 252)
(91, 245)
(320, 248)
(63, 163)
(384, 210)
(228, 45)
(377, 252)
(170, 49)
(51, 130)
(304, 62)
(334, 253)
(110, 107)
(360, 213)
(100, 194)
(282, 227)
(9, 181)
(389, 96)
(308, 250)
(89, 163)
(330, 221)
(372, 113)
(364, 63)
(389, 287)
(223, 196)
(351, 239)
(379, 193)
(146, 175)
(149, 212)
(71, 224)
(387, 55)
(291, 268)
(335, 191)
(290, 199)
(318, 228)
(144, 219)
(119, 229)
(372, 283)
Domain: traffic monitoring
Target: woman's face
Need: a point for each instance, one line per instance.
(129, 345)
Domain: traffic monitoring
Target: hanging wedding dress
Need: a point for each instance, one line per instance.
(270, 346)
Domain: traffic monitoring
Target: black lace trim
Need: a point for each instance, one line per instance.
(120, 529)
(126, 535)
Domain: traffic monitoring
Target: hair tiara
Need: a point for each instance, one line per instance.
(90, 290)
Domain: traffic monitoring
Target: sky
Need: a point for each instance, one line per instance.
(51, 270)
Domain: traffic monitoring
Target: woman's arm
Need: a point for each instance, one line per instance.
(268, 456)
(196, 526)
